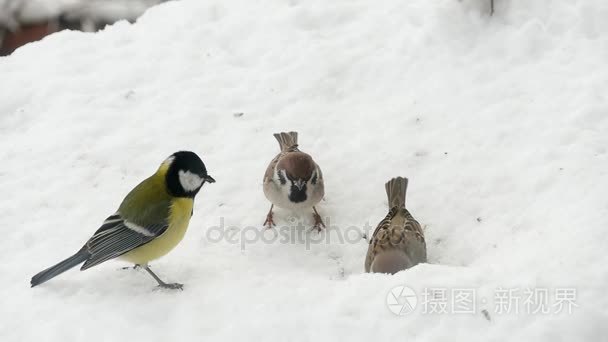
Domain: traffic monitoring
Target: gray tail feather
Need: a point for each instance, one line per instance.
(61, 267)
(395, 190)
(287, 140)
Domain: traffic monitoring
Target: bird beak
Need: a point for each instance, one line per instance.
(209, 179)
(300, 184)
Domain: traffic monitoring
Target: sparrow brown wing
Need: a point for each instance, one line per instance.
(271, 167)
(397, 231)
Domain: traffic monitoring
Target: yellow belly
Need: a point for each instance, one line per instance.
(179, 218)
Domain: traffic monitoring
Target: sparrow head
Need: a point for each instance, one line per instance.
(185, 174)
(297, 170)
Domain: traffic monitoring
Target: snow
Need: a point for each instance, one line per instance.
(27, 11)
(498, 122)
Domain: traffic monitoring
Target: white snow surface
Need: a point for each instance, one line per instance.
(498, 122)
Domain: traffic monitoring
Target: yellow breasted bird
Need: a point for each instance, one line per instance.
(150, 222)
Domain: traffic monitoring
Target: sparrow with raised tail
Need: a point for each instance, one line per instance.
(398, 241)
(293, 180)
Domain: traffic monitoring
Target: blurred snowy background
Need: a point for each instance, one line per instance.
(24, 21)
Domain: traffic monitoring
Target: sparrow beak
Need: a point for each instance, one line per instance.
(209, 179)
(300, 184)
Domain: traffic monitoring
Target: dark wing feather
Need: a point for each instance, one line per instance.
(117, 236)
(408, 237)
(411, 225)
(385, 223)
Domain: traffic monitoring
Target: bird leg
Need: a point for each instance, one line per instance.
(269, 221)
(318, 220)
(162, 284)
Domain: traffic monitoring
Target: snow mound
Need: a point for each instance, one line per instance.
(499, 123)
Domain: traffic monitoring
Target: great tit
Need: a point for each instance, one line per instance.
(150, 222)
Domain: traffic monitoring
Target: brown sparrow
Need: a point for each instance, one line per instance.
(398, 241)
(293, 180)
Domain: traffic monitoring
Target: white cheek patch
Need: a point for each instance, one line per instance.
(190, 181)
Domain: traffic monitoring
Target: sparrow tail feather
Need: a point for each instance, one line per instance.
(395, 190)
(287, 140)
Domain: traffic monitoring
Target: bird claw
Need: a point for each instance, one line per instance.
(134, 267)
(318, 222)
(269, 223)
(172, 286)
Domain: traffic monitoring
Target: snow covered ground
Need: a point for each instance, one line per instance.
(500, 124)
